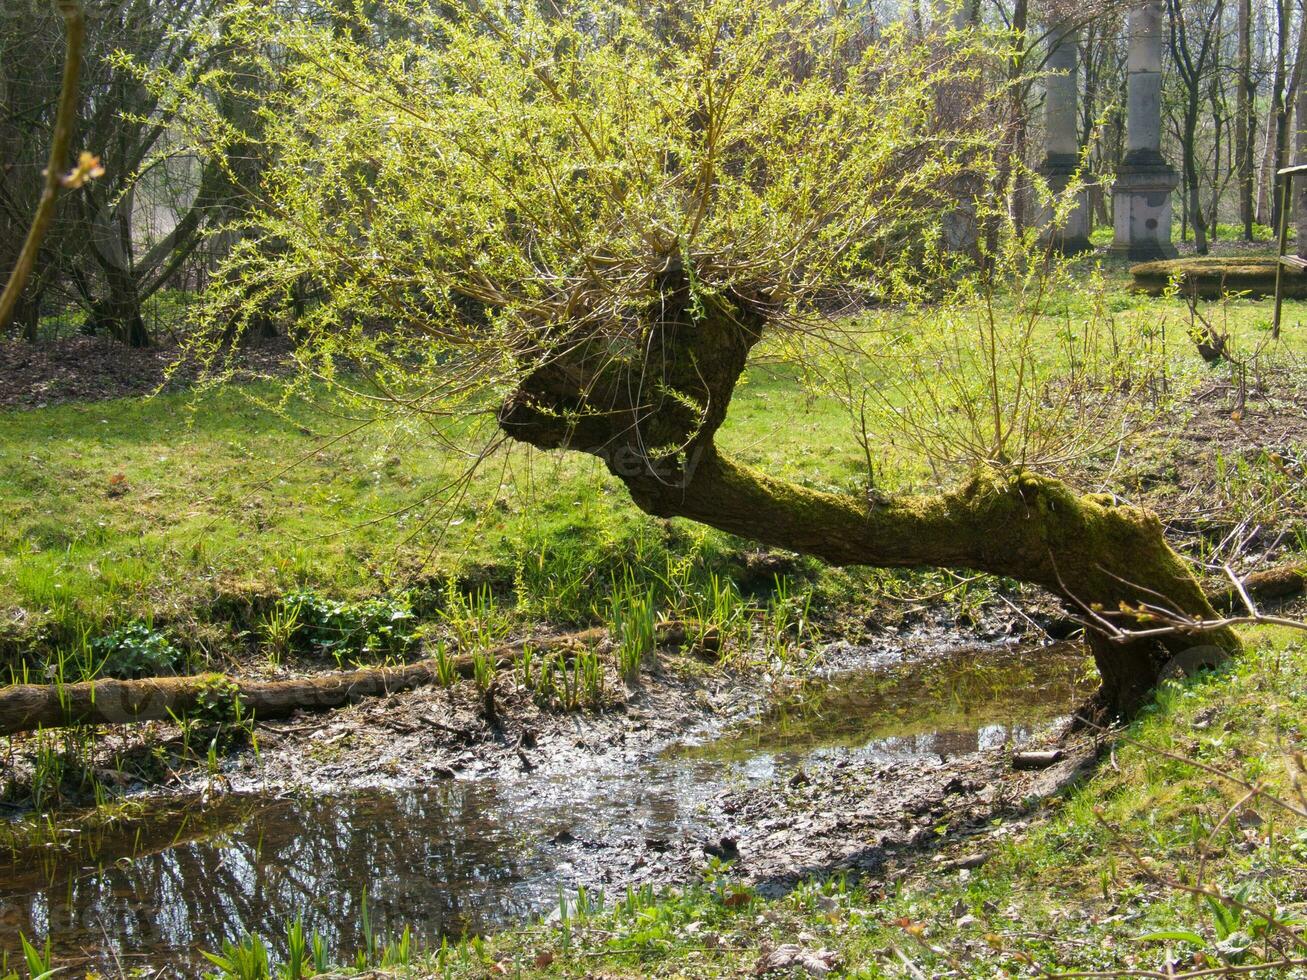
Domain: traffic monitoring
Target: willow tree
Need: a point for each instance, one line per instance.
(580, 221)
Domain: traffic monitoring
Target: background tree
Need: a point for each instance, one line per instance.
(1194, 37)
(1245, 117)
(116, 241)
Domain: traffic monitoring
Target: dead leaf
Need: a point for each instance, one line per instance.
(816, 963)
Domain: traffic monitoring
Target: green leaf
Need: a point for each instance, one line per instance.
(1172, 935)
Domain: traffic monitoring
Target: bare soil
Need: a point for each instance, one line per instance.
(97, 368)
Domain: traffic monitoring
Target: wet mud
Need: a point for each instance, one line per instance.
(456, 820)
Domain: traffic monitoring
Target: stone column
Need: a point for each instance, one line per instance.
(1062, 143)
(1142, 193)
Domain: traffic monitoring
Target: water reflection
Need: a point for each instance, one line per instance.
(459, 857)
(443, 859)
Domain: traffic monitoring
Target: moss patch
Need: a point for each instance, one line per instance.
(1212, 277)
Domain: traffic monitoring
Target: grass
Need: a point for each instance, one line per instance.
(1081, 889)
(209, 518)
(1225, 234)
(199, 513)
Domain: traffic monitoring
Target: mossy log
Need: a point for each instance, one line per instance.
(1271, 583)
(652, 420)
(28, 707)
(1213, 277)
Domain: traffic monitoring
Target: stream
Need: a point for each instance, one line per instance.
(178, 876)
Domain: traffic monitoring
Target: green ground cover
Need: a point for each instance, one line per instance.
(184, 509)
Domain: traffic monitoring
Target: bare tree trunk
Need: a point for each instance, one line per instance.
(1088, 109)
(1278, 120)
(1244, 122)
(1300, 146)
(1219, 175)
(1013, 145)
(1295, 141)
(27, 315)
(119, 313)
(1192, 190)
(1194, 41)
(1020, 124)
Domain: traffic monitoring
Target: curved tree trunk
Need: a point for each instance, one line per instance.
(653, 424)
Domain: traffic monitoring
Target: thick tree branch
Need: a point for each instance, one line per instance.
(1083, 548)
(75, 29)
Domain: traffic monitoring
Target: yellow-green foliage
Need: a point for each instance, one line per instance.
(475, 175)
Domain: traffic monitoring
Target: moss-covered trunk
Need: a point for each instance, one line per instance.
(652, 420)
(1084, 549)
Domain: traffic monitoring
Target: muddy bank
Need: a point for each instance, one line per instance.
(455, 821)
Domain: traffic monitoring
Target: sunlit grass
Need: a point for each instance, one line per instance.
(183, 506)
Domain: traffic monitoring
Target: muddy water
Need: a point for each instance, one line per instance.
(465, 856)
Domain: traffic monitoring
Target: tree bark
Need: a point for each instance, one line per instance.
(657, 437)
(1192, 190)
(119, 312)
(1293, 142)
(1278, 118)
(27, 315)
(1245, 116)
(1300, 142)
(1192, 56)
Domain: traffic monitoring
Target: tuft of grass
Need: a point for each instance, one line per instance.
(475, 620)
(245, 959)
(483, 670)
(632, 622)
(720, 607)
(278, 629)
(446, 669)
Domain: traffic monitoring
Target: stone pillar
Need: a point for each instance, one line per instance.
(1062, 144)
(1142, 193)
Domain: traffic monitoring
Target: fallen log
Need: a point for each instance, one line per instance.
(27, 707)
(1272, 583)
(1036, 759)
